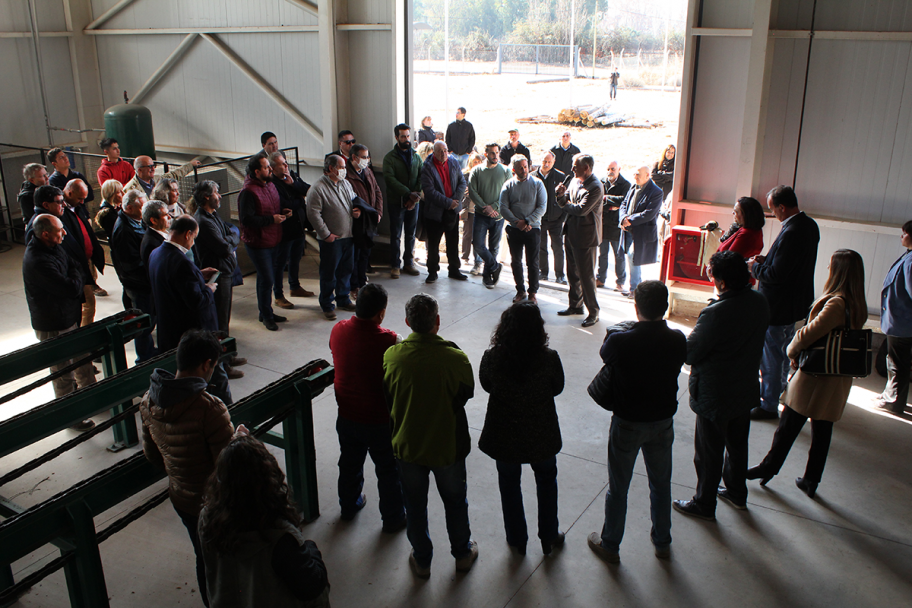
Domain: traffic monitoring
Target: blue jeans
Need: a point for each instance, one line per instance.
(624, 443)
(451, 484)
(620, 264)
(360, 262)
(774, 365)
(487, 233)
(263, 259)
(335, 272)
(190, 522)
(145, 347)
(291, 252)
(463, 160)
(355, 441)
(399, 219)
(508, 477)
(636, 273)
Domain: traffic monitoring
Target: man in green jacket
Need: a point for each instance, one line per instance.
(401, 172)
(428, 381)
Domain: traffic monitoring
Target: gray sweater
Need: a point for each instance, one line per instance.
(524, 200)
(329, 208)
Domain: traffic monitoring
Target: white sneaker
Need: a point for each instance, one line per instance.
(477, 269)
(464, 563)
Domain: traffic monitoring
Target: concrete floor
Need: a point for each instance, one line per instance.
(851, 546)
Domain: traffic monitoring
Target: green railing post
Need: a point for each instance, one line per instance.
(87, 570)
(115, 362)
(301, 454)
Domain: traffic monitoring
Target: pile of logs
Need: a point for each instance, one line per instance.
(591, 116)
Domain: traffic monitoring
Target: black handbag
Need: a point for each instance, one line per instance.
(842, 352)
(601, 389)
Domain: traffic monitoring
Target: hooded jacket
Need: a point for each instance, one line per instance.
(184, 430)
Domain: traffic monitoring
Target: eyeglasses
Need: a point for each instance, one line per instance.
(349, 142)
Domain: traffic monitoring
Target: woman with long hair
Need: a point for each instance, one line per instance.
(523, 376)
(820, 398)
(254, 551)
(745, 235)
(663, 170)
(426, 133)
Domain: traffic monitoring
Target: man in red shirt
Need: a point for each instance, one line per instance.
(113, 167)
(358, 345)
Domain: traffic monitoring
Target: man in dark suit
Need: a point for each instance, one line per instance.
(126, 242)
(645, 363)
(157, 220)
(444, 185)
(786, 275)
(552, 224)
(183, 298)
(616, 188)
(88, 252)
(723, 351)
(637, 215)
(582, 234)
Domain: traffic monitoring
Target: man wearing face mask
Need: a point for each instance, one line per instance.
(261, 214)
(401, 171)
(330, 208)
(362, 180)
(292, 190)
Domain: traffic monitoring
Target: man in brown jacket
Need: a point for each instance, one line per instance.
(361, 177)
(582, 201)
(185, 428)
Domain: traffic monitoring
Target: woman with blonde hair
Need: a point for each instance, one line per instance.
(424, 150)
(820, 398)
(468, 214)
(112, 194)
(426, 133)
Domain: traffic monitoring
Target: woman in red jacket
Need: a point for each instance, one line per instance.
(745, 236)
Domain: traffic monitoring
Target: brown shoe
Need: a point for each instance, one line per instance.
(411, 270)
(85, 425)
(330, 314)
(100, 292)
(353, 294)
(283, 303)
(233, 374)
(533, 299)
(237, 361)
(394, 273)
(300, 292)
(519, 297)
(599, 283)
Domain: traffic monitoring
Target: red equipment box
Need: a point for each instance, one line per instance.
(680, 257)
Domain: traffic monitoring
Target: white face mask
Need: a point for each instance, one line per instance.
(364, 163)
(341, 174)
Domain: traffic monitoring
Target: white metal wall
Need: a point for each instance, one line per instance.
(849, 157)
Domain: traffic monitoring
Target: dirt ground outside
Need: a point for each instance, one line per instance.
(494, 102)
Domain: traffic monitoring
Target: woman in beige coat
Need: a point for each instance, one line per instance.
(820, 398)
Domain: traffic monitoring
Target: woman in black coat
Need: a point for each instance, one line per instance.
(523, 376)
(426, 133)
(663, 171)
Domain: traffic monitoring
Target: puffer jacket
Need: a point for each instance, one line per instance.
(184, 430)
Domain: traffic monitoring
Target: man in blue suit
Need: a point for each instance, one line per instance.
(444, 188)
(637, 219)
(786, 275)
(183, 298)
(896, 323)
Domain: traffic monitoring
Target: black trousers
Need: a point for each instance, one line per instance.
(581, 276)
(899, 362)
(552, 230)
(790, 425)
(720, 454)
(518, 240)
(434, 231)
(190, 522)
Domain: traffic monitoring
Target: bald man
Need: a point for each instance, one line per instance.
(144, 179)
(616, 188)
(637, 219)
(89, 254)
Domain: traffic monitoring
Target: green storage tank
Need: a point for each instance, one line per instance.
(131, 126)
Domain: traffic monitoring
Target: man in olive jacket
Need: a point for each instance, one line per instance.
(724, 351)
(402, 173)
(427, 382)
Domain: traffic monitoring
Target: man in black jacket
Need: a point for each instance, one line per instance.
(126, 243)
(157, 220)
(54, 293)
(292, 190)
(64, 174)
(564, 153)
(645, 363)
(460, 137)
(35, 176)
(786, 275)
(216, 244)
(90, 254)
(616, 188)
(514, 146)
(552, 224)
(724, 351)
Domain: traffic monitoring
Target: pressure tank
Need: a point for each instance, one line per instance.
(131, 126)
